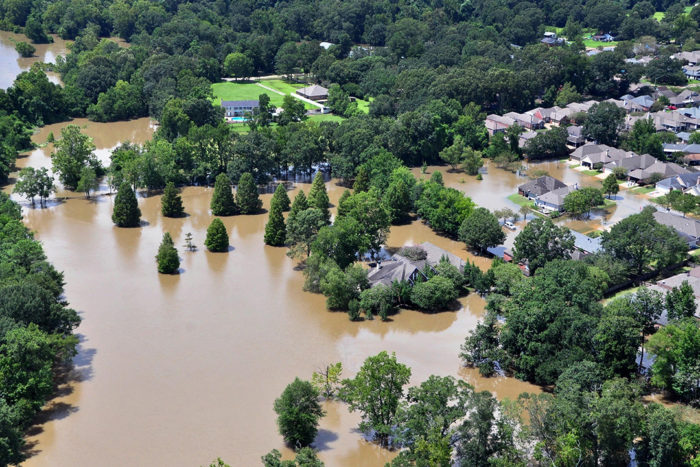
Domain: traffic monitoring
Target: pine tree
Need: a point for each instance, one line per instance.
(318, 197)
(168, 261)
(361, 180)
(126, 209)
(300, 204)
(222, 203)
(247, 197)
(217, 237)
(171, 202)
(342, 206)
(281, 197)
(275, 230)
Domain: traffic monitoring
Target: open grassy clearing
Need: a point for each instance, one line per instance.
(230, 91)
(282, 85)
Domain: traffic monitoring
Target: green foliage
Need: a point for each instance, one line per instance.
(281, 198)
(581, 201)
(222, 202)
(481, 348)
(435, 294)
(167, 258)
(88, 181)
(126, 211)
(34, 182)
(566, 95)
(398, 197)
(361, 180)
(275, 229)
(541, 241)
(610, 185)
(305, 457)
(238, 65)
(604, 122)
(327, 380)
(302, 228)
(375, 392)
(318, 197)
(677, 350)
(680, 302)
(342, 242)
(444, 209)
(74, 151)
(247, 197)
(217, 236)
(171, 202)
(640, 242)
(378, 300)
(298, 413)
(481, 230)
(340, 287)
(372, 217)
(25, 49)
(547, 145)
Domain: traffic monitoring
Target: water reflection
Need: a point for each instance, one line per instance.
(13, 64)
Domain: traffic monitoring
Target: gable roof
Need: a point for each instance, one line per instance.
(248, 103)
(586, 243)
(681, 181)
(542, 185)
(683, 225)
(314, 90)
(555, 197)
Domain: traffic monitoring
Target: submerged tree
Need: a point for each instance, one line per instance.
(318, 197)
(298, 413)
(189, 245)
(217, 236)
(167, 258)
(247, 197)
(275, 230)
(281, 197)
(171, 202)
(88, 181)
(222, 202)
(126, 209)
(34, 182)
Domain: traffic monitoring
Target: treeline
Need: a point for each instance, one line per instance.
(35, 330)
(590, 419)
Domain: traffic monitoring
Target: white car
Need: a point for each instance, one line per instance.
(509, 225)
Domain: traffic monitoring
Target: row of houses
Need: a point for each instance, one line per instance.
(536, 118)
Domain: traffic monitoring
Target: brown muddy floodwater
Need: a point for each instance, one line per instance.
(13, 64)
(177, 370)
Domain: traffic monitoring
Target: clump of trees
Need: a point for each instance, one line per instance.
(298, 413)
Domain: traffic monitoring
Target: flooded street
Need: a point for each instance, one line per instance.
(177, 370)
(13, 64)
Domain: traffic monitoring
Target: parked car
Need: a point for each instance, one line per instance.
(509, 225)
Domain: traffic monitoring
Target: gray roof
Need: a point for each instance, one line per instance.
(644, 101)
(435, 253)
(542, 185)
(666, 169)
(633, 163)
(586, 243)
(315, 91)
(556, 197)
(685, 226)
(680, 182)
(400, 268)
(693, 279)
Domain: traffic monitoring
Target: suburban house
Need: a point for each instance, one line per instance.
(688, 149)
(596, 156)
(525, 137)
(631, 163)
(540, 186)
(684, 182)
(315, 92)
(693, 58)
(553, 200)
(673, 121)
(527, 121)
(663, 169)
(239, 108)
(692, 277)
(687, 228)
(400, 268)
(498, 124)
(687, 97)
(636, 104)
(585, 245)
(575, 136)
(691, 72)
(550, 39)
(545, 114)
(603, 37)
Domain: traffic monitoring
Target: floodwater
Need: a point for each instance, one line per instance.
(13, 64)
(177, 370)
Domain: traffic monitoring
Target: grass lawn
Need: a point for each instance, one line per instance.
(608, 203)
(282, 85)
(592, 173)
(520, 200)
(363, 105)
(326, 118)
(621, 293)
(596, 44)
(643, 190)
(229, 91)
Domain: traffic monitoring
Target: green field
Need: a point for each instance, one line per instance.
(229, 91)
(282, 85)
(326, 118)
(363, 105)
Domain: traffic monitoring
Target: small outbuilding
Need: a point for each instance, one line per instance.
(315, 92)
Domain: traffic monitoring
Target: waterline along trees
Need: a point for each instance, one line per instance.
(222, 202)
(217, 236)
(126, 209)
(318, 197)
(167, 259)
(275, 230)
(247, 197)
(171, 202)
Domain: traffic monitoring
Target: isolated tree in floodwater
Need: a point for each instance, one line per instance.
(126, 209)
(298, 412)
(281, 197)
(275, 230)
(217, 236)
(167, 258)
(171, 202)
(222, 202)
(247, 197)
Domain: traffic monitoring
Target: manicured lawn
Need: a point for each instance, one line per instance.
(643, 190)
(596, 44)
(608, 203)
(282, 85)
(520, 200)
(326, 118)
(363, 105)
(573, 166)
(242, 91)
(592, 173)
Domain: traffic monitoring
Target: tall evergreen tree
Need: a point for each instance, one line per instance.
(167, 259)
(318, 197)
(275, 230)
(300, 204)
(247, 197)
(222, 202)
(343, 208)
(361, 180)
(281, 197)
(171, 202)
(217, 236)
(126, 209)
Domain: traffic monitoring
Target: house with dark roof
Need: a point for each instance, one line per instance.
(540, 186)
(687, 228)
(239, 108)
(587, 245)
(498, 124)
(597, 155)
(683, 182)
(553, 200)
(527, 121)
(575, 136)
(663, 169)
(315, 92)
(664, 286)
(631, 163)
(401, 268)
(687, 98)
